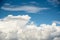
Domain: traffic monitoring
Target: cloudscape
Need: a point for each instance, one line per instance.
(29, 20)
(17, 28)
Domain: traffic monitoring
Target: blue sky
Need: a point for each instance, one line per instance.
(40, 11)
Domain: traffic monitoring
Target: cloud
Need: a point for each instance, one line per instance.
(34, 2)
(58, 22)
(54, 2)
(26, 8)
(6, 4)
(19, 28)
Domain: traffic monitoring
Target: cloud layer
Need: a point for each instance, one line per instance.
(26, 8)
(19, 28)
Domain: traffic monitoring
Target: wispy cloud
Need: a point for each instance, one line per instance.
(34, 2)
(6, 4)
(26, 8)
(54, 2)
(31, 3)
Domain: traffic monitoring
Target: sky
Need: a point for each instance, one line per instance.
(45, 11)
(29, 19)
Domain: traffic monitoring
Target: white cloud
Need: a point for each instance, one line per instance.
(26, 8)
(58, 22)
(17, 28)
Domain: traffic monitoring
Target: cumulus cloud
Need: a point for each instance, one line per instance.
(17, 28)
(26, 8)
